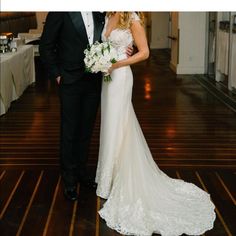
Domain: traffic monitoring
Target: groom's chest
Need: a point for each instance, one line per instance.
(77, 24)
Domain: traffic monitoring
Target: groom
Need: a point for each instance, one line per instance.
(65, 37)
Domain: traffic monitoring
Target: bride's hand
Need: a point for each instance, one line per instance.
(114, 66)
(110, 70)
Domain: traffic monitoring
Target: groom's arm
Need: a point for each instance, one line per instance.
(48, 43)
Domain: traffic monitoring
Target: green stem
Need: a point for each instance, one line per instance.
(107, 78)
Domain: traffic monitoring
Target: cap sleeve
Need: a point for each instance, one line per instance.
(135, 17)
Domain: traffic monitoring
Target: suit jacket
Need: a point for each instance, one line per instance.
(63, 42)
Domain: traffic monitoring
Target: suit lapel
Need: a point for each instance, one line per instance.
(78, 22)
(98, 20)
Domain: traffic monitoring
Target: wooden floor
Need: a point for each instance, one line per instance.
(191, 134)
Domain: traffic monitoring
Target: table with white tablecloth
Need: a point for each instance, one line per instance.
(17, 73)
(31, 38)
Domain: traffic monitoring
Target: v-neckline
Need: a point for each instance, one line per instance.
(107, 37)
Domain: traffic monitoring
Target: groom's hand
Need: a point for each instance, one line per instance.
(129, 51)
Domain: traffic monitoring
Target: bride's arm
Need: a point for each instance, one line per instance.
(140, 40)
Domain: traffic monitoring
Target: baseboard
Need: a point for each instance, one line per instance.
(189, 70)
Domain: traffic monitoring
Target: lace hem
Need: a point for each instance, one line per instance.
(156, 223)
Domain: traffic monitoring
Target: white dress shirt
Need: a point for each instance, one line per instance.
(88, 22)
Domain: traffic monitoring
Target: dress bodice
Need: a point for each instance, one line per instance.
(120, 38)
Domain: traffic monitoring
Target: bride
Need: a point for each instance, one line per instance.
(141, 199)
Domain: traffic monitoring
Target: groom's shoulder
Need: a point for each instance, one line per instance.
(100, 15)
(52, 15)
(56, 13)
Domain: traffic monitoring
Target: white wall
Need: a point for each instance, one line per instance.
(159, 29)
(192, 42)
(41, 17)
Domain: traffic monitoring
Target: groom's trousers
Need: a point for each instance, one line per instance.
(79, 105)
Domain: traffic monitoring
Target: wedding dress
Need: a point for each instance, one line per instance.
(141, 199)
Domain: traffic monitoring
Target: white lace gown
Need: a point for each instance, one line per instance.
(141, 199)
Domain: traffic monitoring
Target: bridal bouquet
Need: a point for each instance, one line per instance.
(99, 57)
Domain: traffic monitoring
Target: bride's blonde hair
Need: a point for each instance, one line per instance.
(125, 19)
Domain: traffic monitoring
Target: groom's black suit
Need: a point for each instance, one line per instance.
(62, 46)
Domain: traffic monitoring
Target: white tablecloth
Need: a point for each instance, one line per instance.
(28, 38)
(17, 73)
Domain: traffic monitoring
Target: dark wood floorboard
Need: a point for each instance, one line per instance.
(190, 176)
(41, 204)
(191, 134)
